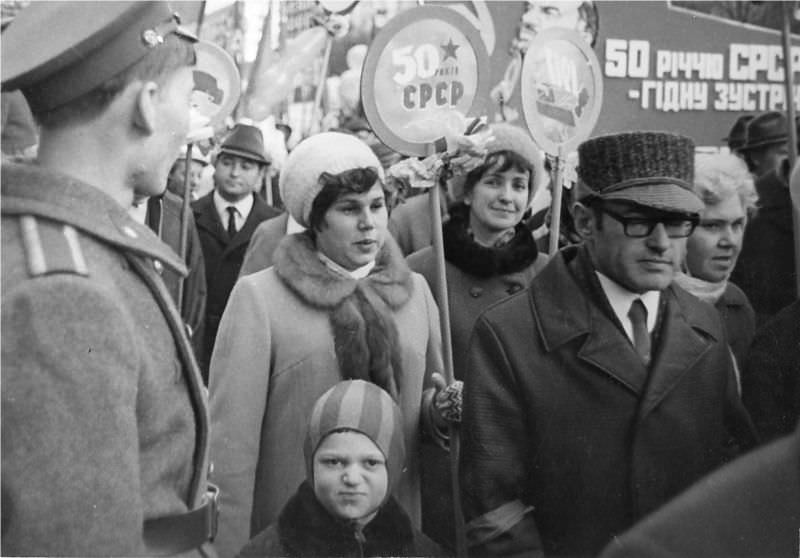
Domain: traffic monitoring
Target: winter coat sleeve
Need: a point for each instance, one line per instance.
(239, 385)
(70, 444)
(494, 454)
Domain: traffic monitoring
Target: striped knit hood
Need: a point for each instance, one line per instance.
(362, 407)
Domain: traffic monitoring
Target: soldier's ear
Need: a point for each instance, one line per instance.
(584, 218)
(144, 116)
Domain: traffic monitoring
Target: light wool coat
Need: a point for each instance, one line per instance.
(274, 357)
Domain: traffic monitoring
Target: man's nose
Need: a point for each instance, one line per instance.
(658, 239)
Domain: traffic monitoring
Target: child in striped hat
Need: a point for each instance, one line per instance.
(354, 454)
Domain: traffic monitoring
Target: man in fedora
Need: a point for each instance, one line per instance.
(226, 219)
(766, 142)
(766, 270)
(737, 135)
(104, 421)
(603, 390)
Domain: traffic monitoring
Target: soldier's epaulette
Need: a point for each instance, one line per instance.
(51, 247)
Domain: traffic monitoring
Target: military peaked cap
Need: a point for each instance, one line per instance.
(57, 51)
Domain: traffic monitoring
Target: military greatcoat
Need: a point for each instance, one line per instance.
(104, 419)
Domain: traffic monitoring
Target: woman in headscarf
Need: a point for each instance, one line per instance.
(339, 303)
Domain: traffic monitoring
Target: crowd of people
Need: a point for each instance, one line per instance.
(247, 379)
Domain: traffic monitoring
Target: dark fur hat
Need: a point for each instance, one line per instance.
(653, 169)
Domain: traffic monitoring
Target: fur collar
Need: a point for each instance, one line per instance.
(462, 251)
(306, 528)
(297, 264)
(361, 312)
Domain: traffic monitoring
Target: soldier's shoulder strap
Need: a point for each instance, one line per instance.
(51, 247)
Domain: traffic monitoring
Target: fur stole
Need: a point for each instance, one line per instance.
(360, 311)
(462, 251)
(305, 528)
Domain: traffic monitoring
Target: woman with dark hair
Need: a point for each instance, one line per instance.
(490, 253)
(339, 303)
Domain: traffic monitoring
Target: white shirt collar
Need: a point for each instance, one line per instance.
(358, 273)
(621, 299)
(243, 208)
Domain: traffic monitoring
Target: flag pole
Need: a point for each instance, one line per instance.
(447, 346)
(787, 8)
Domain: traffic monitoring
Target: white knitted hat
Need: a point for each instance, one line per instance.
(331, 152)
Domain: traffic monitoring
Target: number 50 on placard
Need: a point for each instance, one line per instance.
(420, 62)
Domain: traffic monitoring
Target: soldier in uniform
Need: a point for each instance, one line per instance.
(104, 418)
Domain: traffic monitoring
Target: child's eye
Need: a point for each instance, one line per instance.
(372, 464)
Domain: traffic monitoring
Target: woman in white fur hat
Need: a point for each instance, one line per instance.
(339, 303)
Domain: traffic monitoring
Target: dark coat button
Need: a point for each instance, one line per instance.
(475, 292)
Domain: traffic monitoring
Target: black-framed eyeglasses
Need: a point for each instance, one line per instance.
(640, 227)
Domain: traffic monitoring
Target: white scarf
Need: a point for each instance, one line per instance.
(704, 290)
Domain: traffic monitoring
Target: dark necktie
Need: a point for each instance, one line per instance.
(641, 337)
(231, 221)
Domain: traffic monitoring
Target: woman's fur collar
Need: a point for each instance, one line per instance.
(306, 528)
(361, 312)
(297, 264)
(462, 251)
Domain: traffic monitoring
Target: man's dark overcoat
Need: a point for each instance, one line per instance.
(223, 258)
(566, 427)
(104, 417)
(749, 508)
(771, 375)
(765, 270)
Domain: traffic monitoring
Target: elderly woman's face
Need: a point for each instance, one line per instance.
(715, 243)
(354, 228)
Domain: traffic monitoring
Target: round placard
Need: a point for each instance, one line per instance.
(561, 87)
(424, 74)
(217, 85)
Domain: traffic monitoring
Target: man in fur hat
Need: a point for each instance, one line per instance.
(603, 390)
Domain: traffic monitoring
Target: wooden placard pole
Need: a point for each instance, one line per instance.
(555, 205)
(788, 7)
(447, 348)
(185, 208)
